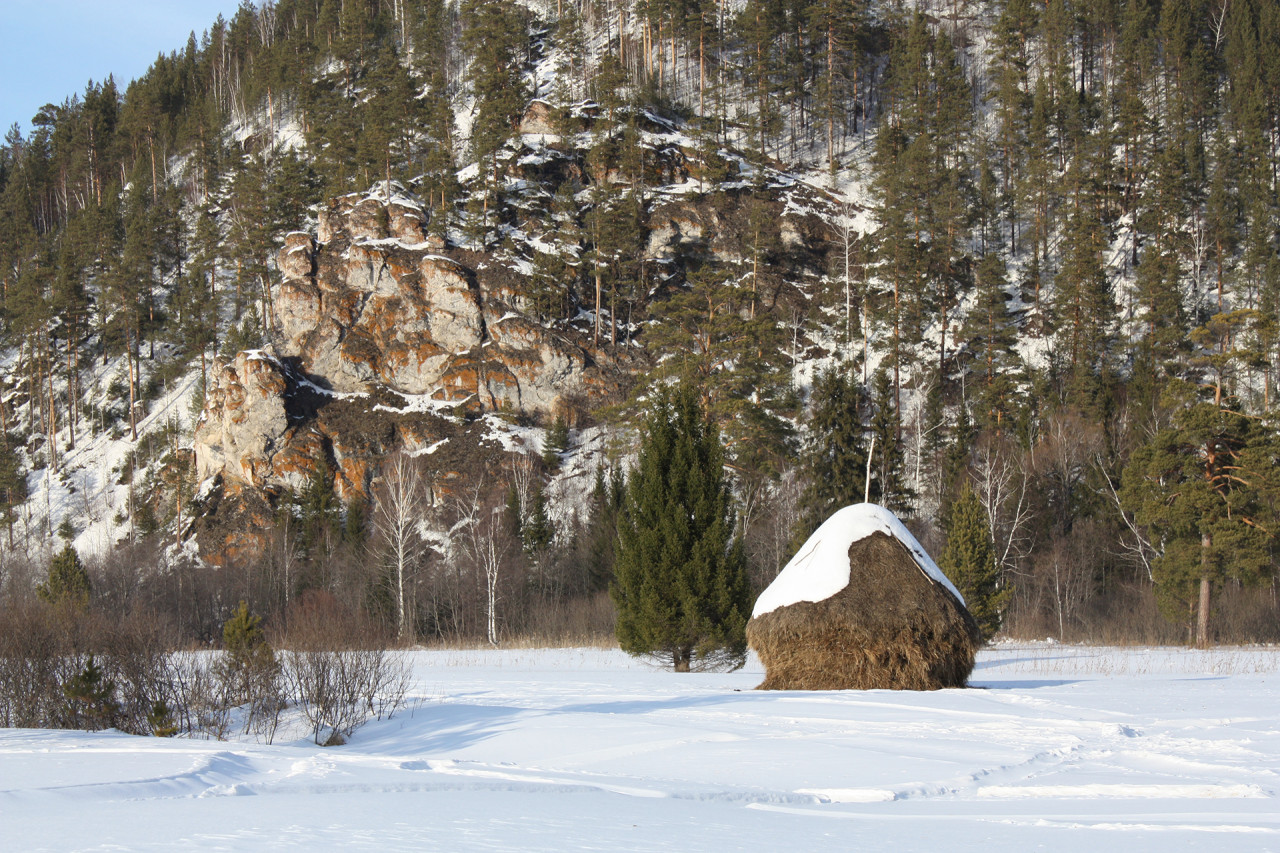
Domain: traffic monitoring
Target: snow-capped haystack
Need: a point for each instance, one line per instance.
(861, 606)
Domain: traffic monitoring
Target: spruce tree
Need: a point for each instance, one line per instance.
(537, 531)
(91, 696)
(835, 463)
(969, 560)
(681, 577)
(600, 539)
(249, 668)
(320, 509)
(556, 442)
(13, 485)
(68, 582)
(888, 485)
(1084, 307)
(992, 335)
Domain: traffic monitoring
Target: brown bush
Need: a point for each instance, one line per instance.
(338, 668)
(43, 647)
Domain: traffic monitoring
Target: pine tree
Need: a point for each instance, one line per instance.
(759, 24)
(888, 484)
(68, 582)
(556, 442)
(1196, 487)
(249, 665)
(835, 24)
(495, 33)
(681, 584)
(738, 360)
(835, 462)
(92, 697)
(440, 179)
(537, 530)
(160, 720)
(1011, 92)
(969, 560)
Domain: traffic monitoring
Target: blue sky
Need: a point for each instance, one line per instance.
(49, 49)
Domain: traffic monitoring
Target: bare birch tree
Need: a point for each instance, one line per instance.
(481, 537)
(1001, 480)
(399, 507)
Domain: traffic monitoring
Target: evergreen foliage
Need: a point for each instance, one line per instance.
(248, 666)
(161, 721)
(599, 541)
(1097, 237)
(888, 484)
(969, 560)
(320, 512)
(91, 696)
(13, 486)
(537, 531)
(68, 582)
(681, 583)
(1204, 488)
(556, 442)
(835, 461)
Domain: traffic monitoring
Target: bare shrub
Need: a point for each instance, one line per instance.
(338, 669)
(134, 654)
(585, 620)
(1248, 614)
(44, 657)
(35, 659)
(199, 700)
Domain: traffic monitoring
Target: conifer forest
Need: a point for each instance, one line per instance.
(366, 304)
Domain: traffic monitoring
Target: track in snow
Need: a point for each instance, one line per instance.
(1057, 748)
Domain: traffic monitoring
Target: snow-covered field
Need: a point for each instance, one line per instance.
(1058, 748)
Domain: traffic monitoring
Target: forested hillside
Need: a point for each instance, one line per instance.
(1015, 254)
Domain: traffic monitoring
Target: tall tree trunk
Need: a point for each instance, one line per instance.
(595, 338)
(831, 97)
(49, 360)
(72, 364)
(151, 144)
(131, 366)
(1202, 611)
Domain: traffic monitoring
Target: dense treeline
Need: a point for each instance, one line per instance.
(1065, 304)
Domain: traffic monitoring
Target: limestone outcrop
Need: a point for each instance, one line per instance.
(243, 419)
(384, 339)
(373, 303)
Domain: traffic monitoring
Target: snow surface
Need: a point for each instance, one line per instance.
(1059, 749)
(820, 568)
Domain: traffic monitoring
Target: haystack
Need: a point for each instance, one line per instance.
(862, 606)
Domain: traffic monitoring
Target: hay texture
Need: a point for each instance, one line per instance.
(860, 607)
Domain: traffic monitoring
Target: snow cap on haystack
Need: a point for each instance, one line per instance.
(862, 606)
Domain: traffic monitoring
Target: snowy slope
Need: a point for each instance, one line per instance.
(1062, 749)
(820, 568)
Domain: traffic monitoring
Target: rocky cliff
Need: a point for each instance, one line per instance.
(371, 301)
(385, 339)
